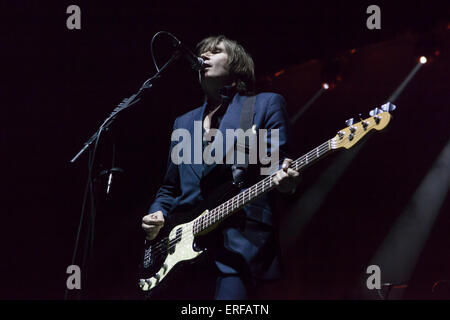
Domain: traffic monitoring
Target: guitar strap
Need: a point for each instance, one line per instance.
(247, 113)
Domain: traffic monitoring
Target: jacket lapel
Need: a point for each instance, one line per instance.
(230, 121)
(196, 146)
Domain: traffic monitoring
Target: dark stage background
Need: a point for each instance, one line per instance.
(58, 85)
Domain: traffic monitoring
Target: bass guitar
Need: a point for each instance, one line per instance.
(173, 248)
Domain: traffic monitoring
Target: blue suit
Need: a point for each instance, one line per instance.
(244, 243)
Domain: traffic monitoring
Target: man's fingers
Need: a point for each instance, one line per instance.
(292, 173)
(275, 180)
(152, 222)
(151, 236)
(156, 218)
(155, 215)
(286, 164)
(280, 175)
(149, 227)
(150, 231)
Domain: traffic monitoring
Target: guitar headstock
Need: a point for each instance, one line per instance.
(354, 132)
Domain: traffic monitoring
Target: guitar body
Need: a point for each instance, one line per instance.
(167, 253)
(180, 241)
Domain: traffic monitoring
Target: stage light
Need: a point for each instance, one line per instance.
(279, 73)
(330, 74)
(408, 78)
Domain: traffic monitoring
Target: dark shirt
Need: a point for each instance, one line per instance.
(227, 93)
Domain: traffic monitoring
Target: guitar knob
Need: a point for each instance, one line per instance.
(349, 122)
(377, 119)
(352, 129)
(388, 107)
(375, 111)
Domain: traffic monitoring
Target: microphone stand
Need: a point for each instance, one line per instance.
(92, 147)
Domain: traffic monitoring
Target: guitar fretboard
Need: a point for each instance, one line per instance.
(242, 199)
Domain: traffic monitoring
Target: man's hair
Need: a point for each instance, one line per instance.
(242, 68)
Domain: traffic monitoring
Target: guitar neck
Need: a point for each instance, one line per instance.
(242, 199)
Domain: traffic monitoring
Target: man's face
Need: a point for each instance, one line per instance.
(216, 65)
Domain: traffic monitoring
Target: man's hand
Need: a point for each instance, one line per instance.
(286, 179)
(151, 224)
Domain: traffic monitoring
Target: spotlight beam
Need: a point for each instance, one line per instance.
(307, 105)
(404, 83)
(311, 201)
(398, 254)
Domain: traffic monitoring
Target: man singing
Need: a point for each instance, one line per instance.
(242, 252)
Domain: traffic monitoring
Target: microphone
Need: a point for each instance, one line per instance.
(197, 63)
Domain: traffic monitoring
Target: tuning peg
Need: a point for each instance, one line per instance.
(388, 107)
(349, 122)
(375, 111)
(365, 124)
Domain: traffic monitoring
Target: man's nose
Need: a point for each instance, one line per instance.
(205, 55)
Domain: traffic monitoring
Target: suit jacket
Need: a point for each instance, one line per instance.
(245, 242)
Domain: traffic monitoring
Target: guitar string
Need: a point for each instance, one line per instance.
(326, 145)
(228, 207)
(249, 190)
(161, 246)
(251, 193)
(190, 233)
(223, 210)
